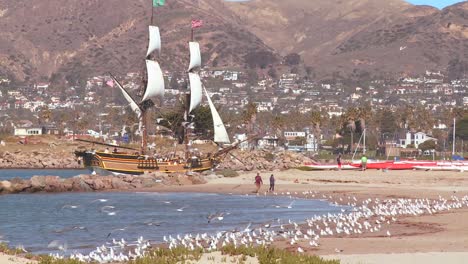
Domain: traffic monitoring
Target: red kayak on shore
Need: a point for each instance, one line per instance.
(395, 165)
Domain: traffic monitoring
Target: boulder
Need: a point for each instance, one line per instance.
(37, 183)
(119, 184)
(5, 186)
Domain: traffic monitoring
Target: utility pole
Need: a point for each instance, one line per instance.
(453, 146)
(364, 149)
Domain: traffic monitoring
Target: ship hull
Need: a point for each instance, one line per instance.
(135, 164)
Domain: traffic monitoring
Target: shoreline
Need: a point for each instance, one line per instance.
(412, 236)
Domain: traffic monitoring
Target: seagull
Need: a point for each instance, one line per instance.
(182, 208)
(71, 228)
(70, 206)
(388, 233)
(115, 230)
(60, 245)
(151, 223)
(99, 200)
(402, 48)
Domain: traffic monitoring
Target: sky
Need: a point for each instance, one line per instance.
(437, 3)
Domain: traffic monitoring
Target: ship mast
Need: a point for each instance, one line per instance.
(154, 84)
(187, 120)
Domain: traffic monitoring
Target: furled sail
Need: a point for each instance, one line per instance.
(154, 40)
(130, 100)
(220, 133)
(195, 91)
(155, 86)
(195, 55)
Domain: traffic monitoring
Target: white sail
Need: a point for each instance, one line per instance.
(130, 100)
(154, 40)
(220, 133)
(155, 86)
(195, 55)
(195, 91)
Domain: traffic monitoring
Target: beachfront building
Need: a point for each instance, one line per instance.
(414, 139)
(28, 131)
(301, 141)
(267, 142)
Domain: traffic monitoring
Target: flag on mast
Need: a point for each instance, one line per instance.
(157, 3)
(196, 23)
(110, 83)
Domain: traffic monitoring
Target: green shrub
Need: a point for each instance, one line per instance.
(228, 173)
(269, 157)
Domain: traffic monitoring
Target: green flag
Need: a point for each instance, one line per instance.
(157, 3)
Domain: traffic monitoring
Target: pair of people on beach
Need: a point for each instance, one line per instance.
(259, 182)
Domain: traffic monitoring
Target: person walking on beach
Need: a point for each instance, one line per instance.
(272, 183)
(258, 182)
(363, 163)
(338, 161)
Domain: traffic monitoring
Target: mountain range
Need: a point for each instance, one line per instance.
(74, 39)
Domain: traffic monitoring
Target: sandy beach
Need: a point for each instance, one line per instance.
(415, 239)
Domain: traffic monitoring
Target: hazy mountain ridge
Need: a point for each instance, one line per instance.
(42, 38)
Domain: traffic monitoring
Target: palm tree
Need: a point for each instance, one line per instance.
(45, 115)
(349, 119)
(249, 116)
(315, 118)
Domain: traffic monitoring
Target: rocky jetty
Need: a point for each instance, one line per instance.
(38, 160)
(263, 160)
(91, 183)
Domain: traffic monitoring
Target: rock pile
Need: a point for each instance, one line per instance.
(263, 160)
(38, 160)
(90, 183)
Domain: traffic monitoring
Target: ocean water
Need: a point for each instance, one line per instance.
(7, 174)
(82, 221)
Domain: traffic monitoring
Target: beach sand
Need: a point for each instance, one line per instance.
(414, 239)
(442, 237)
(7, 259)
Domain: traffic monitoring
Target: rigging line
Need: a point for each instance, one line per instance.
(355, 151)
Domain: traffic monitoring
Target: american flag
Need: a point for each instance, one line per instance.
(197, 23)
(110, 83)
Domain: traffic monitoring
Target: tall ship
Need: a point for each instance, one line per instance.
(139, 162)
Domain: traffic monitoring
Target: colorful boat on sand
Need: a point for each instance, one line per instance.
(394, 165)
(317, 166)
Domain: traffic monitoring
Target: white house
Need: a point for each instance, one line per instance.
(243, 139)
(311, 144)
(267, 142)
(28, 131)
(414, 139)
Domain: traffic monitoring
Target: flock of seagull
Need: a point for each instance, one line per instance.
(372, 215)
